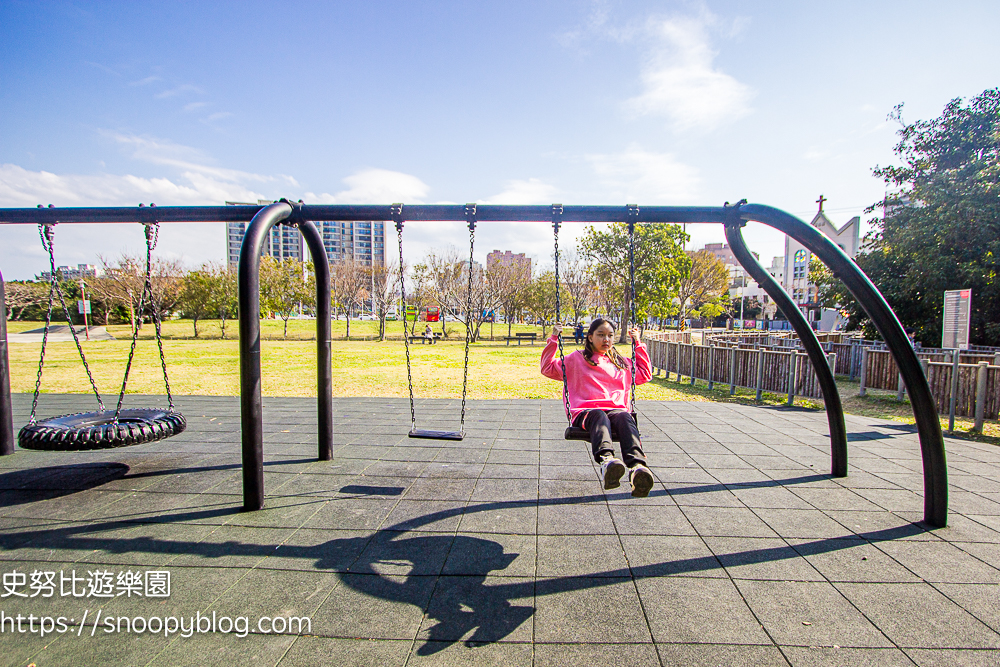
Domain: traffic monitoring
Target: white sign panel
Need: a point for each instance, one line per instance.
(957, 309)
(83, 306)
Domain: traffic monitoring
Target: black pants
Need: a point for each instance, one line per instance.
(599, 423)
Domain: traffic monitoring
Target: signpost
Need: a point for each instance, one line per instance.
(955, 324)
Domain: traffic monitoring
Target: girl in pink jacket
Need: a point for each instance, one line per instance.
(598, 381)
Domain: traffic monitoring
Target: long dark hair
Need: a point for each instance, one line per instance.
(588, 347)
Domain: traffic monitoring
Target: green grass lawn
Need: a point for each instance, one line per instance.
(363, 366)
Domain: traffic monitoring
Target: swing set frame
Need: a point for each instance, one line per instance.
(732, 217)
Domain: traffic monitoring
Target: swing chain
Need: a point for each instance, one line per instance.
(470, 214)
(46, 232)
(633, 215)
(152, 233)
(397, 217)
(557, 212)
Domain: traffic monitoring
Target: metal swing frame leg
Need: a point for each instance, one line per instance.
(251, 410)
(824, 374)
(6, 409)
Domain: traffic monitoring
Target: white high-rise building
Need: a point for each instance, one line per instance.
(362, 241)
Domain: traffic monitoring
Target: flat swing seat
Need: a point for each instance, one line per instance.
(436, 435)
(577, 433)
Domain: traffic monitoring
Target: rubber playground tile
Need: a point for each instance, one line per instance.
(688, 610)
(497, 555)
(373, 606)
(918, 615)
(311, 651)
(805, 613)
(518, 517)
(572, 609)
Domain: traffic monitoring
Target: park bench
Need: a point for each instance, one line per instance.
(519, 337)
(423, 339)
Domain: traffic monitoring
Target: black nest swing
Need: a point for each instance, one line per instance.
(103, 429)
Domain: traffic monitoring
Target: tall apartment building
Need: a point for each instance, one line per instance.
(517, 261)
(363, 241)
(70, 273)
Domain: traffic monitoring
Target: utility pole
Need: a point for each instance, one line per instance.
(83, 308)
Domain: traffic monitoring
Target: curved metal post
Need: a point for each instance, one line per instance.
(885, 320)
(251, 411)
(831, 397)
(249, 302)
(6, 410)
(324, 355)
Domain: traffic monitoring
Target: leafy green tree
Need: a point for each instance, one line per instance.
(705, 281)
(660, 265)
(284, 289)
(225, 294)
(197, 291)
(940, 224)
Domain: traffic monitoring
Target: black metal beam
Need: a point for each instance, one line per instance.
(418, 212)
(831, 397)
(885, 320)
(6, 410)
(251, 410)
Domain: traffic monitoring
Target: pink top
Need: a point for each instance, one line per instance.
(604, 386)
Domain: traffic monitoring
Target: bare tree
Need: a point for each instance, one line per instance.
(575, 276)
(123, 281)
(512, 283)
(20, 295)
(348, 285)
(384, 281)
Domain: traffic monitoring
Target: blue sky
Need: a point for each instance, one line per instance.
(572, 101)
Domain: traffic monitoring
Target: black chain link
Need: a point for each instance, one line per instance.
(470, 214)
(557, 211)
(397, 216)
(633, 214)
(46, 232)
(152, 232)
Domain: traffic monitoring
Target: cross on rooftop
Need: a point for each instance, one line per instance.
(820, 202)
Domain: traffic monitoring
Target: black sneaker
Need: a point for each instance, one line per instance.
(612, 471)
(641, 480)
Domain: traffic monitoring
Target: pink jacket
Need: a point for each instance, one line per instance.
(604, 386)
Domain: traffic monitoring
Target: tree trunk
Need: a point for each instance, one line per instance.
(223, 326)
(347, 318)
(194, 321)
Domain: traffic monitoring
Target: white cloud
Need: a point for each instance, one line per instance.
(178, 90)
(639, 176)
(680, 81)
(188, 160)
(530, 191)
(375, 186)
(20, 187)
(193, 106)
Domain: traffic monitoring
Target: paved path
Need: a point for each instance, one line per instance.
(503, 549)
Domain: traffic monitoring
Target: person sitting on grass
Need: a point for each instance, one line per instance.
(598, 380)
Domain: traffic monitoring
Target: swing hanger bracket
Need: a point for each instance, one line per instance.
(557, 216)
(732, 214)
(396, 214)
(631, 216)
(470, 216)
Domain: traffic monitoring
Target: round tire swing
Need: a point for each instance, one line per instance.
(575, 432)
(103, 429)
